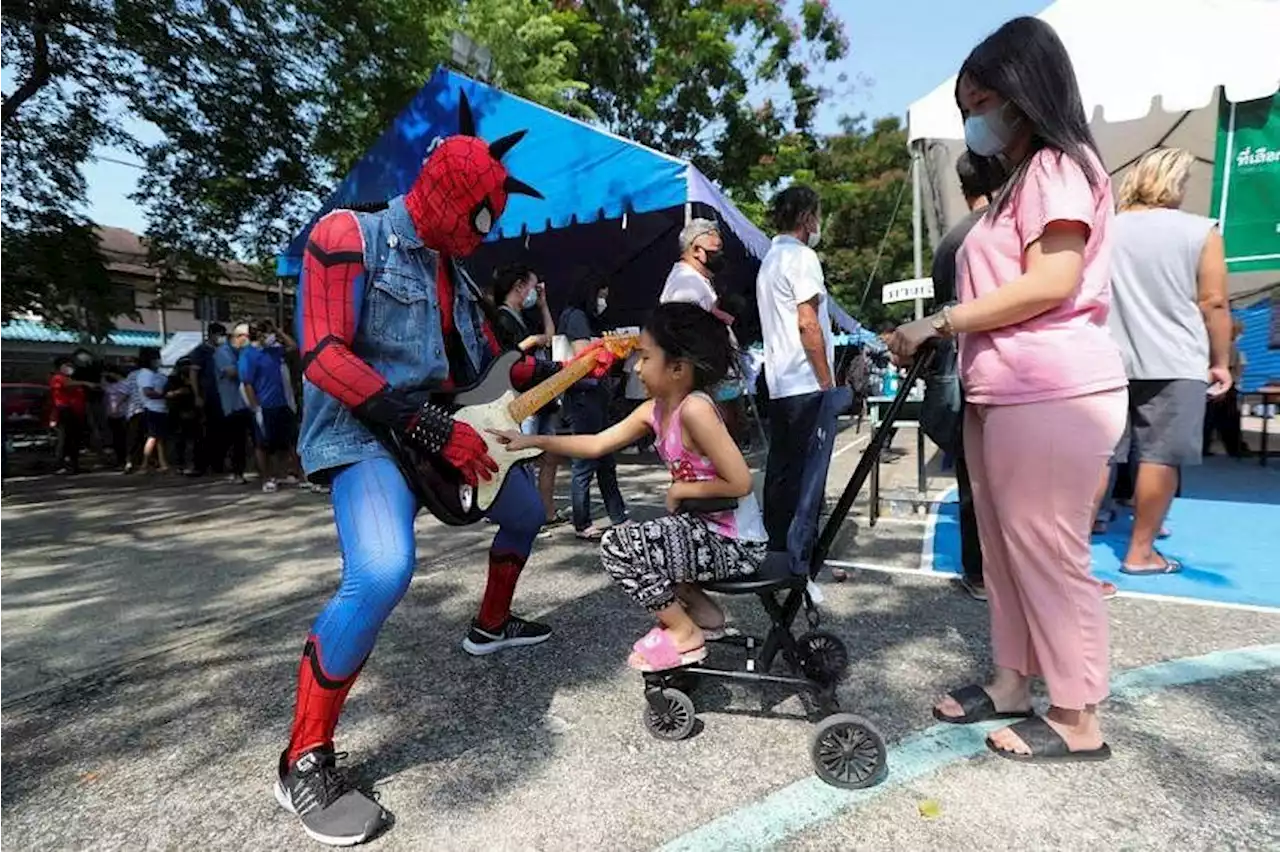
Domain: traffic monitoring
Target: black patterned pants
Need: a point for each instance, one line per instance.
(647, 558)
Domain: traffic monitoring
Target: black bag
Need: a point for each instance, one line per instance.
(942, 411)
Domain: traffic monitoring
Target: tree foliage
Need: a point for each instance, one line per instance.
(863, 175)
(246, 112)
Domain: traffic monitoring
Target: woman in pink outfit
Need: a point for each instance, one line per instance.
(1045, 390)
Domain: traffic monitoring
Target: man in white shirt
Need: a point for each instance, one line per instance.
(799, 350)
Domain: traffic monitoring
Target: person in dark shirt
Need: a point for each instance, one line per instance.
(211, 445)
(977, 194)
(519, 294)
(184, 414)
(587, 404)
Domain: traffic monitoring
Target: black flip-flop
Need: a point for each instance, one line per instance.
(1047, 745)
(1170, 566)
(977, 706)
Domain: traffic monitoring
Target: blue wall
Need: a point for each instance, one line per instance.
(1262, 363)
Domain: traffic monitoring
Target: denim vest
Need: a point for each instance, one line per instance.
(398, 333)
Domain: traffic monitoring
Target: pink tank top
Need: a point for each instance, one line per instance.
(744, 523)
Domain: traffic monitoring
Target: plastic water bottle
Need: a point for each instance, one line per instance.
(890, 385)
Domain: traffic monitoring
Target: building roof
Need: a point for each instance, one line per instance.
(126, 253)
(29, 331)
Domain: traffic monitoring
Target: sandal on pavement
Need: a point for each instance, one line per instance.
(1168, 566)
(1047, 745)
(977, 706)
(589, 534)
(658, 652)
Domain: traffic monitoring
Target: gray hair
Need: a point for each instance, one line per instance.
(696, 228)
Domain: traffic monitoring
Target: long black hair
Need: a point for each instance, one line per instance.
(585, 290)
(686, 332)
(505, 279)
(1026, 63)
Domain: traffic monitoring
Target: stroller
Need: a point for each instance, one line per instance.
(847, 751)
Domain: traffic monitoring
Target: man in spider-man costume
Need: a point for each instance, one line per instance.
(383, 308)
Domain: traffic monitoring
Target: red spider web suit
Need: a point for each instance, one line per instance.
(457, 198)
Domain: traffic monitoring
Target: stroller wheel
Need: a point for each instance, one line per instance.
(847, 752)
(823, 656)
(676, 719)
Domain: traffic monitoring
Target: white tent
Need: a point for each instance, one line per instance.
(1151, 73)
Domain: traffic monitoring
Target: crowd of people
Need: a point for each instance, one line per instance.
(198, 417)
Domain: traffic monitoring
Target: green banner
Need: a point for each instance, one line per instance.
(1246, 183)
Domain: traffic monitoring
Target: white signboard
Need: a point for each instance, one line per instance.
(906, 291)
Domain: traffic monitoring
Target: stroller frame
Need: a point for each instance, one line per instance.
(846, 750)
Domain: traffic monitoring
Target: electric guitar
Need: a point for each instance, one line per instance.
(490, 403)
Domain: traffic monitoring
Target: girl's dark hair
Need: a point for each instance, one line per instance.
(585, 290)
(505, 279)
(685, 332)
(1025, 62)
(791, 205)
(146, 355)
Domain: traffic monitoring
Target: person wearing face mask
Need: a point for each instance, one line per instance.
(69, 397)
(701, 259)
(1045, 391)
(517, 291)
(155, 414)
(210, 430)
(799, 349)
(236, 420)
(587, 406)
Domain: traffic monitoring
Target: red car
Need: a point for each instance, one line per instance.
(26, 415)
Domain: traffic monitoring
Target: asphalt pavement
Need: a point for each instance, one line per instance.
(151, 631)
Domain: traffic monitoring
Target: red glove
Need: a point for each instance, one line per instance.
(467, 451)
(605, 359)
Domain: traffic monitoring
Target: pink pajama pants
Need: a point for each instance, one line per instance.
(1035, 470)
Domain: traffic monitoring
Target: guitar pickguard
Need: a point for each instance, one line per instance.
(494, 415)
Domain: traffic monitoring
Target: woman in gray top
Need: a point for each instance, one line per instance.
(1169, 314)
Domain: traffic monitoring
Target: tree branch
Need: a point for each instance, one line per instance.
(34, 83)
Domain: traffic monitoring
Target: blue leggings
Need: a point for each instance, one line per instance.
(374, 510)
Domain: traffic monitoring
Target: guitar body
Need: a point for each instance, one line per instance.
(490, 403)
(438, 485)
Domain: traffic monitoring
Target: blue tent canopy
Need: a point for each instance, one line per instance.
(586, 174)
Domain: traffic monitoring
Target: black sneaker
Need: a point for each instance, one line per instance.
(332, 811)
(514, 633)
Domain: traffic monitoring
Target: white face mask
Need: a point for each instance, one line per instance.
(530, 298)
(601, 304)
(815, 237)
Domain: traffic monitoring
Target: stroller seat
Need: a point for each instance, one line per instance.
(774, 574)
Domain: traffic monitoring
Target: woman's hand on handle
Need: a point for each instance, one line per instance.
(904, 340)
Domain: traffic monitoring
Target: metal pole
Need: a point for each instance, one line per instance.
(917, 213)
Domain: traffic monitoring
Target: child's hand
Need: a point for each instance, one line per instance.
(676, 494)
(513, 441)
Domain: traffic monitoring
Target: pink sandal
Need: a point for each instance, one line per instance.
(658, 653)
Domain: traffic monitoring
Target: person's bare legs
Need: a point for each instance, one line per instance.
(686, 635)
(1080, 729)
(704, 611)
(1009, 691)
(1152, 494)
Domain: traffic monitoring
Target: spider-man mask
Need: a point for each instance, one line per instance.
(463, 189)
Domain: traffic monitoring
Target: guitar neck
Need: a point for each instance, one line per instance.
(542, 394)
